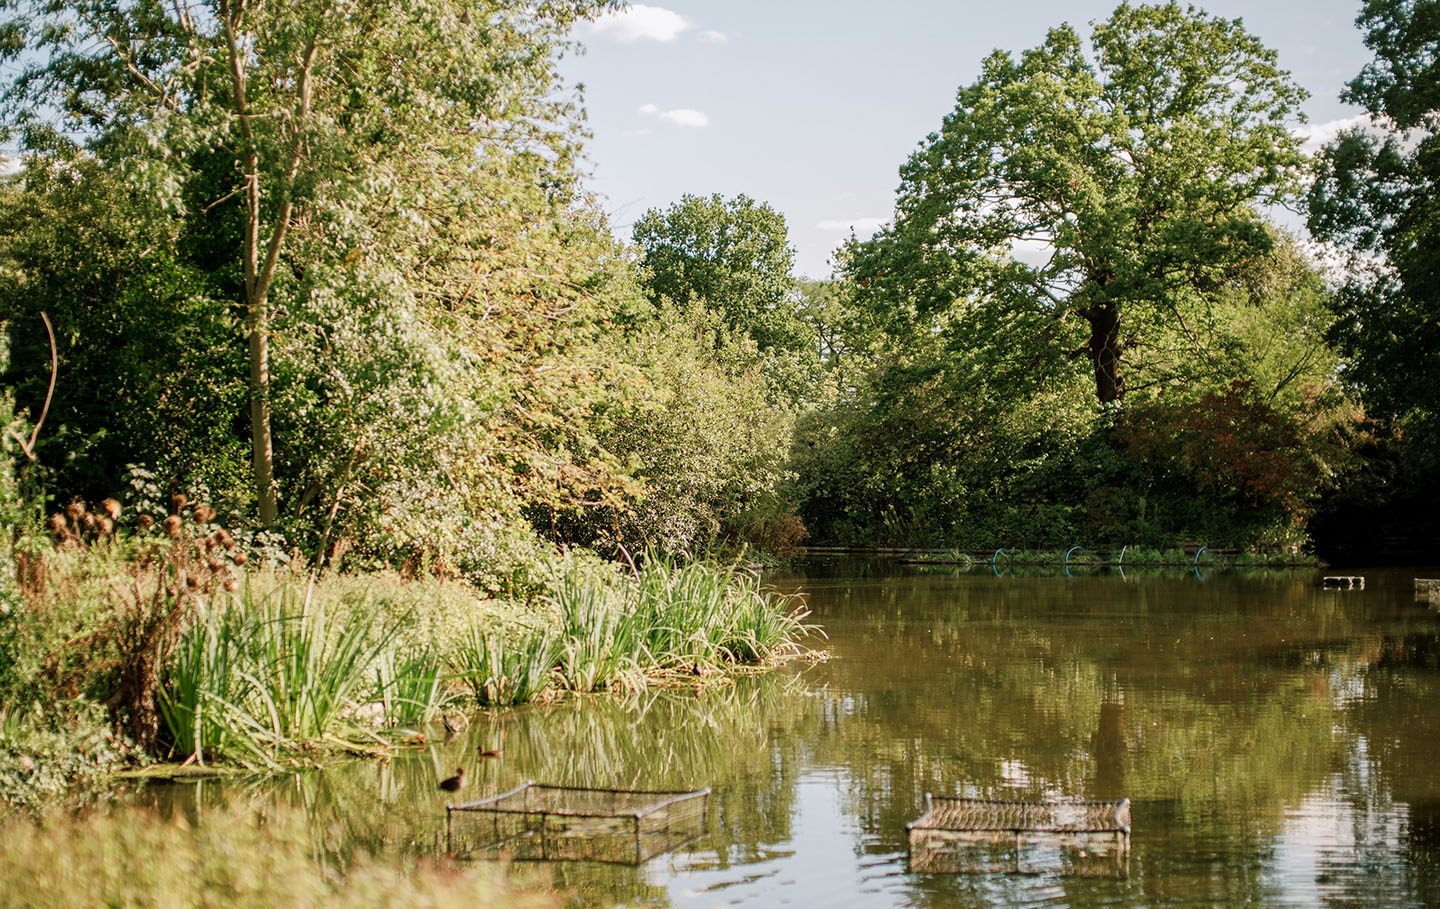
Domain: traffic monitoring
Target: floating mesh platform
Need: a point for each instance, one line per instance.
(567, 824)
(960, 835)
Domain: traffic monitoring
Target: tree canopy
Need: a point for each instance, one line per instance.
(1119, 188)
(1377, 198)
(335, 135)
(734, 254)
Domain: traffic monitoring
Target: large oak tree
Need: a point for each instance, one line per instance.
(1108, 188)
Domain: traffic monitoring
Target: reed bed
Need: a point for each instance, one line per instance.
(500, 673)
(270, 673)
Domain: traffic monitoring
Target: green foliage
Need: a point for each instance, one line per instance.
(503, 669)
(1233, 465)
(733, 254)
(1133, 178)
(149, 370)
(55, 749)
(704, 437)
(1375, 200)
(423, 320)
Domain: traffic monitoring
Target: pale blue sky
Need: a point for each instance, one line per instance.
(813, 106)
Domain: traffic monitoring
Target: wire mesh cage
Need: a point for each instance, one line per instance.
(562, 823)
(962, 835)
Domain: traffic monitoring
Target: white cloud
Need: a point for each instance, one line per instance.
(863, 227)
(680, 116)
(640, 23)
(1317, 135)
(714, 37)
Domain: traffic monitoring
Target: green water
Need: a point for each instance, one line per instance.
(1280, 744)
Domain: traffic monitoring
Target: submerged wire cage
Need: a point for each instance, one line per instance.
(562, 823)
(963, 835)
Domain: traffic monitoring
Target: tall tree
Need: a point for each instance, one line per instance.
(337, 120)
(1117, 189)
(1377, 197)
(734, 254)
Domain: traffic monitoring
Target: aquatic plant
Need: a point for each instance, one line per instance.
(602, 642)
(501, 672)
(411, 687)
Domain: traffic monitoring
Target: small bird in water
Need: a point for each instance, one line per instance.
(454, 783)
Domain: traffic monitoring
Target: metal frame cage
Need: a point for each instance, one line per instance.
(534, 822)
(965, 835)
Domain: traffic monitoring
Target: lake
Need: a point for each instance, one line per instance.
(1279, 743)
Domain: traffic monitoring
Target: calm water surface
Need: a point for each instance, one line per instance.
(1280, 744)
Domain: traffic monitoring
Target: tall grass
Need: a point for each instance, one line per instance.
(602, 640)
(411, 686)
(500, 673)
(265, 674)
(705, 614)
(204, 680)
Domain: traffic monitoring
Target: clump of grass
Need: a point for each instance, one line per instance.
(270, 673)
(500, 673)
(411, 687)
(701, 614)
(601, 641)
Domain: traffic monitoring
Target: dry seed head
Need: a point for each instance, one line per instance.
(112, 508)
(146, 522)
(88, 521)
(106, 526)
(75, 510)
(215, 564)
(204, 514)
(226, 540)
(57, 524)
(177, 502)
(239, 558)
(191, 581)
(171, 526)
(232, 585)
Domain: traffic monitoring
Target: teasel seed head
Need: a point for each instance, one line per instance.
(171, 526)
(239, 559)
(146, 522)
(75, 510)
(177, 502)
(112, 508)
(204, 514)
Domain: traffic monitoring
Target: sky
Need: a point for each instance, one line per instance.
(813, 106)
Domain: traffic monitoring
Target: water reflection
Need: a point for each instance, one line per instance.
(1276, 741)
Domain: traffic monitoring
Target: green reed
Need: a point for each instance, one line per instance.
(501, 672)
(257, 676)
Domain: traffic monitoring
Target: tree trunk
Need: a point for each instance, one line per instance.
(263, 453)
(1104, 319)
